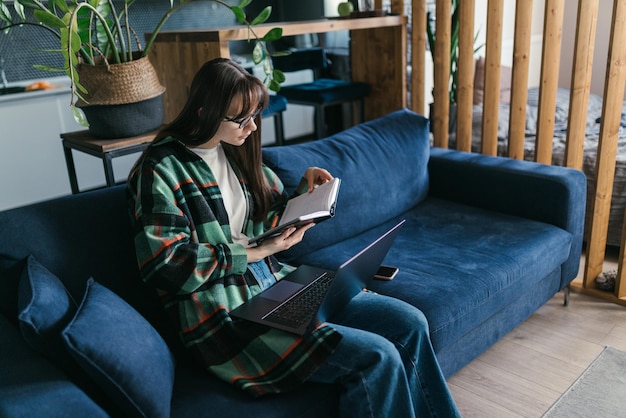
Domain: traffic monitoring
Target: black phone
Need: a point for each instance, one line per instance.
(386, 273)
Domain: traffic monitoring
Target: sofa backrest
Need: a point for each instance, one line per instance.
(77, 237)
(383, 168)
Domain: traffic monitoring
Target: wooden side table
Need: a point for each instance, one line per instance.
(106, 149)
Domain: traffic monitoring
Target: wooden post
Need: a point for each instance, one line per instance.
(397, 6)
(553, 28)
(465, 80)
(519, 76)
(418, 58)
(581, 82)
(441, 105)
(615, 82)
(493, 55)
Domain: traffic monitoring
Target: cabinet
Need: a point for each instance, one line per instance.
(32, 164)
(377, 57)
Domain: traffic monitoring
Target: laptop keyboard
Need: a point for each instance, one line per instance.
(299, 309)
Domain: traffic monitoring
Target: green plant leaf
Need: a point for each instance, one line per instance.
(243, 3)
(262, 17)
(47, 68)
(257, 53)
(62, 5)
(79, 86)
(79, 116)
(278, 75)
(5, 14)
(273, 85)
(49, 19)
(273, 35)
(240, 15)
(28, 4)
(267, 67)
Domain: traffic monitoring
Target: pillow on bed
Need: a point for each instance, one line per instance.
(479, 82)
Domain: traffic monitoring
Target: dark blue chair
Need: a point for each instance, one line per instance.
(275, 109)
(321, 92)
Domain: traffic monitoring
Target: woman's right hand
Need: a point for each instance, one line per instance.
(289, 238)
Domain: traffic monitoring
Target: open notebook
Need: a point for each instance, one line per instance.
(316, 206)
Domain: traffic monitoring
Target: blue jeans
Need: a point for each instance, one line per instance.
(385, 362)
(262, 273)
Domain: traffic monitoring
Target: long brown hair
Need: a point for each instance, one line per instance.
(213, 88)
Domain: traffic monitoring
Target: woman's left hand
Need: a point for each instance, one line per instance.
(316, 176)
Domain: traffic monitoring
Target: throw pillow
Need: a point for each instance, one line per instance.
(44, 309)
(122, 353)
(479, 82)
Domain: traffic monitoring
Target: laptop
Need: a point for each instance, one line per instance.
(309, 295)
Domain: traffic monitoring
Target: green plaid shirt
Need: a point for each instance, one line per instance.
(184, 249)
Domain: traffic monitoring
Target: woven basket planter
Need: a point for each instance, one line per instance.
(122, 100)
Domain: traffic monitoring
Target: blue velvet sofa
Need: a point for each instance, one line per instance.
(487, 241)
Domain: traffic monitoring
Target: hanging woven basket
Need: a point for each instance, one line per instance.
(122, 100)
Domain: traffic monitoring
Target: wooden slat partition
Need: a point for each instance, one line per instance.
(613, 97)
(586, 23)
(465, 80)
(441, 106)
(418, 56)
(491, 96)
(519, 78)
(550, 59)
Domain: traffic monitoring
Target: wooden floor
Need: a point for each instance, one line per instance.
(526, 371)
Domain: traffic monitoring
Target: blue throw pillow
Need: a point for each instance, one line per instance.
(122, 353)
(44, 309)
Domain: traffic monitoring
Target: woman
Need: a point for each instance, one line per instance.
(197, 194)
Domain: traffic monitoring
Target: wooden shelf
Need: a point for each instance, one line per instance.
(241, 33)
(86, 140)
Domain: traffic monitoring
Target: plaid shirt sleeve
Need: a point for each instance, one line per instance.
(179, 241)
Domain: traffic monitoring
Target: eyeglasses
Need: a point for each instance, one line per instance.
(243, 122)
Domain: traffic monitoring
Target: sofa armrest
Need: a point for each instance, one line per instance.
(31, 386)
(551, 194)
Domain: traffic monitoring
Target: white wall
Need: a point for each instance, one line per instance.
(601, 47)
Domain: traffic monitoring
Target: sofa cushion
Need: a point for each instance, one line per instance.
(496, 258)
(31, 386)
(10, 271)
(122, 352)
(366, 158)
(45, 308)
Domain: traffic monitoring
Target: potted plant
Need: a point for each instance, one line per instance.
(454, 54)
(106, 64)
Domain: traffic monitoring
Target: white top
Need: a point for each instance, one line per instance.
(232, 193)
